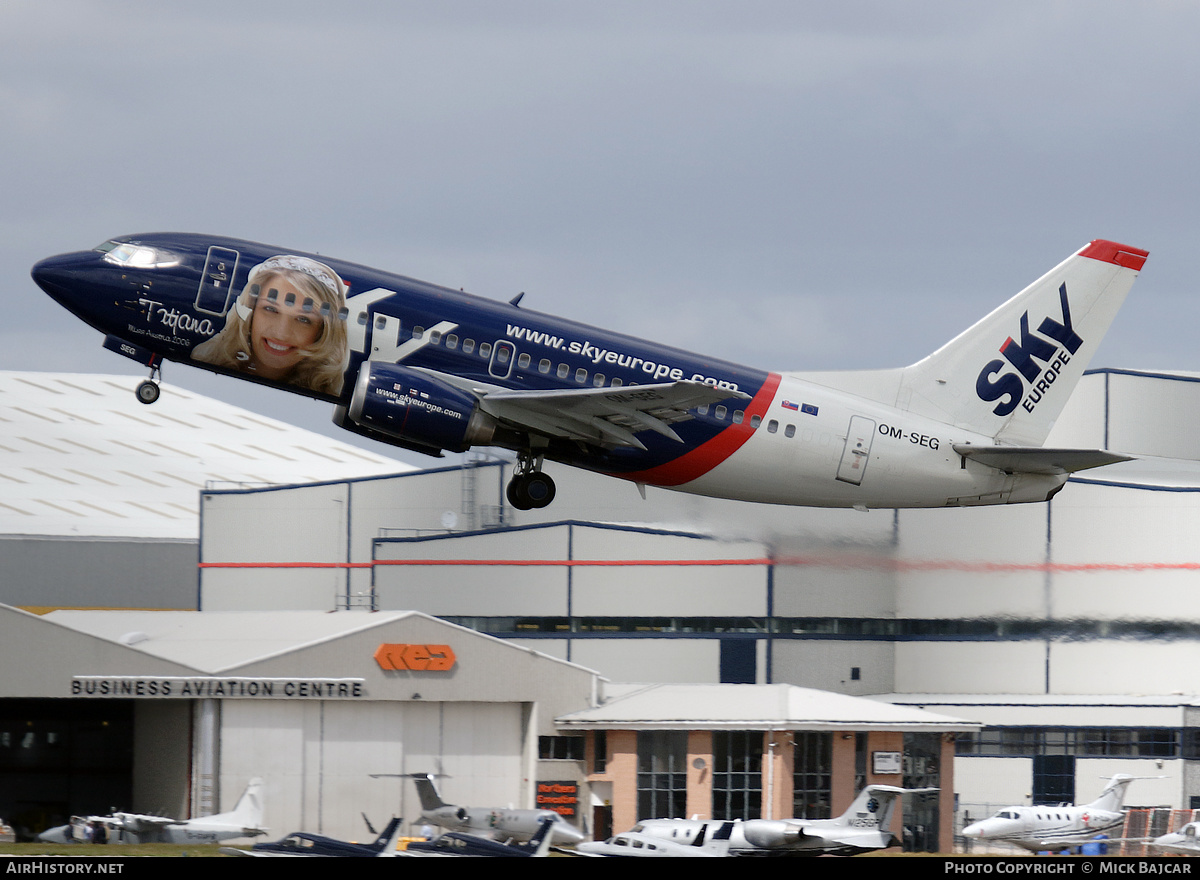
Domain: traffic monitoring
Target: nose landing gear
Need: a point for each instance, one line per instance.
(530, 488)
(148, 390)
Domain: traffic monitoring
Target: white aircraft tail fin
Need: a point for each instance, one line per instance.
(1010, 375)
(248, 811)
(874, 805)
(1112, 798)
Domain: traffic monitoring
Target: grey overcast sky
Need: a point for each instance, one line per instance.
(793, 185)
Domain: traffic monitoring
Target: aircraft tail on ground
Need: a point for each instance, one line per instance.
(1010, 374)
(877, 801)
(385, 843)
(249, 809)
(427, 792)
(1113, 796)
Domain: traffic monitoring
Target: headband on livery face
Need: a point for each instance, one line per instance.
(319, 272)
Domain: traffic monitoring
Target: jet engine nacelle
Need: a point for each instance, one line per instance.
(767, 833)
(418, 409)
(447, 815)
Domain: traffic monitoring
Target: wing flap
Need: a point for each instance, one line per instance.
(609, 416)
(1039, 460)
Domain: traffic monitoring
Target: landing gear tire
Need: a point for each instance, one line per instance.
(148, 392)
(530, 491)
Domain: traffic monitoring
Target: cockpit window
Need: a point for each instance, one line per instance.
(137, 256)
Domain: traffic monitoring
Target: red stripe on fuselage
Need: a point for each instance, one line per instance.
(711, 453)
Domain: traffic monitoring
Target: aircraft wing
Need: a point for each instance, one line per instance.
(1038, 459)
(606, 416)
(137, 823)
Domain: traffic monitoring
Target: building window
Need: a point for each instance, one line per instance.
(662, 774)
(600, 751)
(737, 774)
(1089, 742)
(566, 748)
(812, 775)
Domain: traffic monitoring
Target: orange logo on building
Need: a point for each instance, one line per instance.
(415, 658)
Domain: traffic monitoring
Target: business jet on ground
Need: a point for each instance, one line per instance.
(430, 369)
(245, 820)
(863, 827)
(1055, 827)
(462, 844)
(641, 844)
(1183, 842)
(495, 822)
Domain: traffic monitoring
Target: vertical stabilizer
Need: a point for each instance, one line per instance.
(249, 809)
(873, 806)
(1010, 375)
(1113, 796)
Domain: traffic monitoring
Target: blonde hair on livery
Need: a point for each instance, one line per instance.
(324, 363)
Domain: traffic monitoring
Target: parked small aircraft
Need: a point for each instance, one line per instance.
(494, 822)
(301, 844)
(638, 844)
(430, 369)
(863, 827)
(245, 820)
(458, 843)
(1053, 827)
(1184, 841)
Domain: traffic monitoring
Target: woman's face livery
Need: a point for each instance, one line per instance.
(282, 329)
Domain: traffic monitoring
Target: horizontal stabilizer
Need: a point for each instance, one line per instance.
(1039, 460)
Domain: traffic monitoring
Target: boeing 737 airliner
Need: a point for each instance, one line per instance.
(431, 369)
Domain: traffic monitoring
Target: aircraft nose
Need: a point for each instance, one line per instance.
(565, 833)
(57, 276)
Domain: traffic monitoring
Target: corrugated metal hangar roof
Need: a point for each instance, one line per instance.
(79, 456)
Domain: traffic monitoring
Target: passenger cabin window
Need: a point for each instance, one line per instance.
(485, 349)
(772, 426)
(789, 431)
(451, 342)
(544, 365)
(468, 346)
(563, 371)
(581, 375)
(523, 361)
(719, 412)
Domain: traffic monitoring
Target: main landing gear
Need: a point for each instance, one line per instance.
(530, 488)
(148, 391)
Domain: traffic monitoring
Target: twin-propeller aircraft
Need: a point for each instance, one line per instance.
(430, 369)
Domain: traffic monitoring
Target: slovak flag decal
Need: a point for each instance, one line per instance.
(787, 404)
